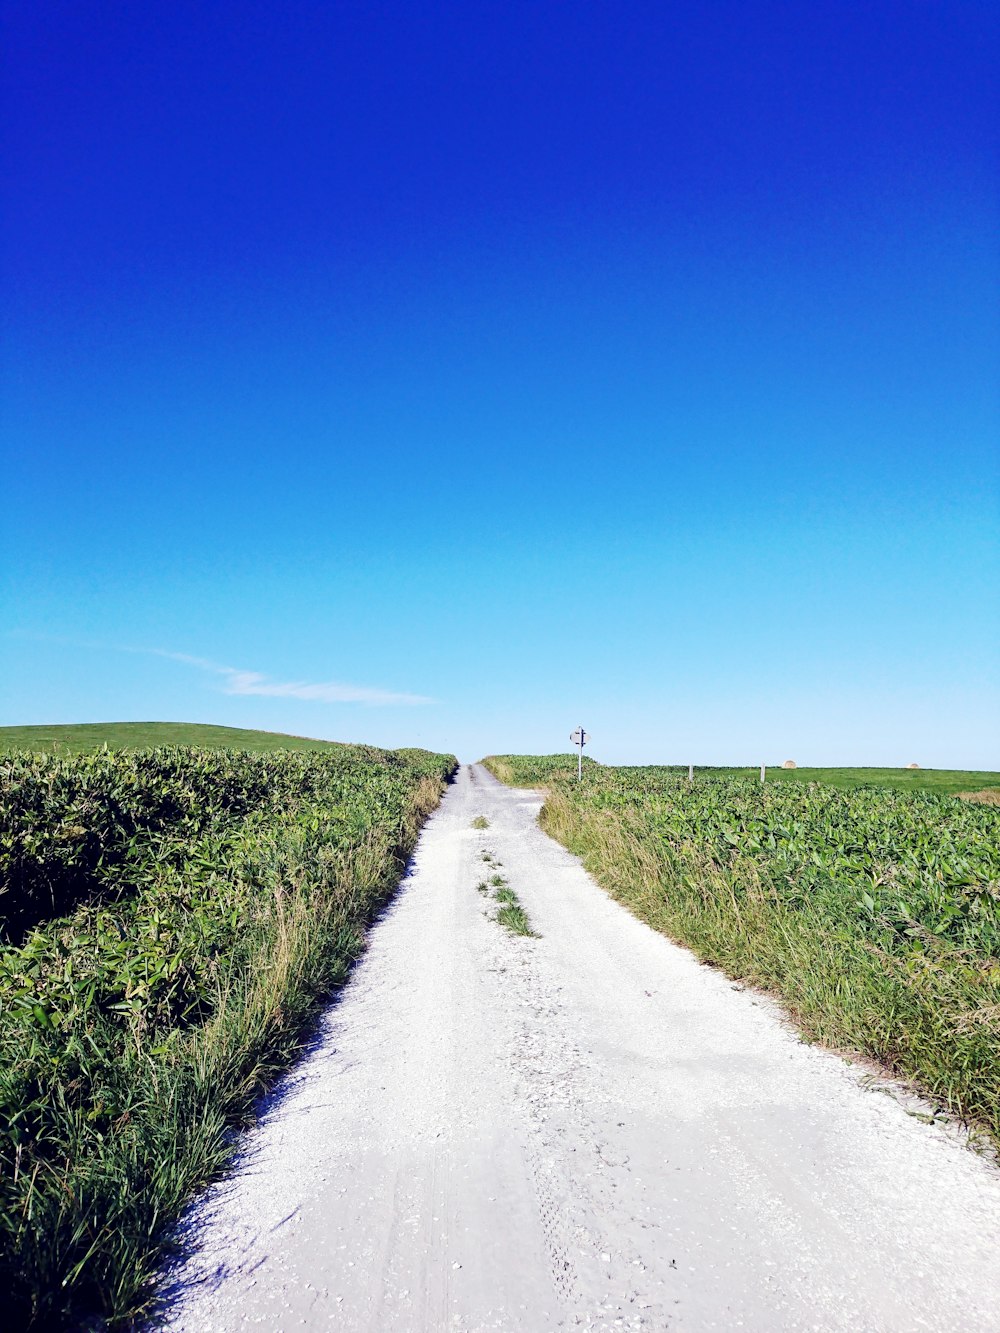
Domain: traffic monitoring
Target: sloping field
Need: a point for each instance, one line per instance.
(873, 913)
(76, 739)
(170, 919)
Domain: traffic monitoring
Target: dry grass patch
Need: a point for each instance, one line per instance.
(989, 796)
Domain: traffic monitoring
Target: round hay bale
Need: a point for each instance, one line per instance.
(912, 765)
(789, 763)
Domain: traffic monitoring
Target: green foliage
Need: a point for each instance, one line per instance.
(537, 770)
(510, 914)
(534, 770)
(512, 917)
(224, 896)
(907, 865)
(80, 737)
(72, 828)
(84, 826)
(873, 913)
(943, 781)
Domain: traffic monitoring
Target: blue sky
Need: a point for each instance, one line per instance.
(450, 374)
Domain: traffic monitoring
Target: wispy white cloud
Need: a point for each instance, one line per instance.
(237, 681)
(201, 662)
(234, 680)
(325, 691)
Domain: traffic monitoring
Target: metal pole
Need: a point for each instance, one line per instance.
(690, 772)
(579, 759)
(763, 771)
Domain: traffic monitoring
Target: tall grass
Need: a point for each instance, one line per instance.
(138, 1031)
(534, 770)
(875, 916)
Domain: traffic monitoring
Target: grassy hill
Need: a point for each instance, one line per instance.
(77, 738)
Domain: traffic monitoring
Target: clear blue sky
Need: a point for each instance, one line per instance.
(513, 365)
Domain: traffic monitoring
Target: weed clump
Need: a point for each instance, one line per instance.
(513, 917)
(511, 914)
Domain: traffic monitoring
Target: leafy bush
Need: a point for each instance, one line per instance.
(906, 865)
(875, 914)
(223, 895)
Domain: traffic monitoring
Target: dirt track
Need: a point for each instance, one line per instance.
(586, 1130)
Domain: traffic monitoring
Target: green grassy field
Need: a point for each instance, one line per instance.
(530, 770)
(84, 736)
(874, 913)
(944, 781)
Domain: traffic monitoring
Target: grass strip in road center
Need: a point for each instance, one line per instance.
(510, 914)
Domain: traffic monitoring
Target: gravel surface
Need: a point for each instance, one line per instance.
(583, 1130)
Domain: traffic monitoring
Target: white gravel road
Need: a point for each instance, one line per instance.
(584, 1130)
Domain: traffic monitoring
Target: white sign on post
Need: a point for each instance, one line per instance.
(579, 738)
